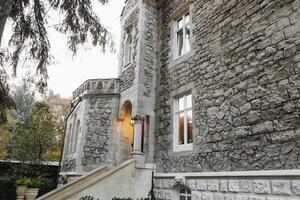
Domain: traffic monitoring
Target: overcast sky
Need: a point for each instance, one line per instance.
(68, 72)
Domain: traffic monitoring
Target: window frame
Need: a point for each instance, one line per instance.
(176, 112)
(128, 49)
(183, 28)
(187, 193)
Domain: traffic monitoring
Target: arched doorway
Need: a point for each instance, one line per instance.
(127, 126)
(126, 132)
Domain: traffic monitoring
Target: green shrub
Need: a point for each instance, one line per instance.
(35, 182)
(23, 181)
(87, 198)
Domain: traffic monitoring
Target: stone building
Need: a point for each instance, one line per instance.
(208, 95)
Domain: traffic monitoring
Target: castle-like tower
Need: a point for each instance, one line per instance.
(113, 120)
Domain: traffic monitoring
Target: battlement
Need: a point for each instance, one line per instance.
(97, 86)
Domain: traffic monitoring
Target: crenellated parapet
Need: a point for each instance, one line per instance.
(96, 87)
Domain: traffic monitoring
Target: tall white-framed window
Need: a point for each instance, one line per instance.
(128, 49)
(183, 123)
(185, 194)
(77, 132)
(182, 35)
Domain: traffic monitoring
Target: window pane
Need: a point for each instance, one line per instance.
(190, 127)
(179, 23)
(187, 38)
(182, 191)
(181, 128)
(182, 198)
(189, 191)
(181, 104)
(180, 42)
(189, 101)
(187, 18)
(189, 198)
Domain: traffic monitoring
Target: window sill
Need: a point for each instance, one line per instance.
(181, 59)
(181, 148)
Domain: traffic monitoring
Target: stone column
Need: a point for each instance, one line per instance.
(137, 143)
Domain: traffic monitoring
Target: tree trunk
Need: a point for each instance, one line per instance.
(5, 6)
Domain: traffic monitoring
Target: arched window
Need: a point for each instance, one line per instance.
(185, 194)
(128, 48)
(77, 132)
(69, 140)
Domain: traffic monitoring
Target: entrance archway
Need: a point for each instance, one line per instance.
(126, 132)
(127, 126)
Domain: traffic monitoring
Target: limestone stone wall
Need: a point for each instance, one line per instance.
(127, 74)
(95, 107)
(129, 4)
(148, 48)
(245, 72)
(235, 188)
(98, 133)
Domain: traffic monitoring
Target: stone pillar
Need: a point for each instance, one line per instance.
(137, 143)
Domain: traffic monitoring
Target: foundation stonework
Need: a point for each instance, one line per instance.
(233, 188)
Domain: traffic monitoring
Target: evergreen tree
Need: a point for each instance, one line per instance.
(30, 35)
(24, 99)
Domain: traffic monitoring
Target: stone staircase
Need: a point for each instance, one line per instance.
(123, 181)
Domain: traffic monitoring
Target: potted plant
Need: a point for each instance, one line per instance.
(21, 187)
(33, 185)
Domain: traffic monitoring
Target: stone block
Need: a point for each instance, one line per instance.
(261, 187)
(207, 196)
(292, 30)
(196, 194)
(234, 185)
(281, 187)
(191, 184)
(223, 185)
(276, 37)
(219, 197)
(264, 127)
(290, 50)
(253, 116)
(242, 197)
(245, 108)
(283, 136)
(282, 23)
(245, 186)
(213, 185)
(229, 197)
(296, 187)
(201, 185)
(276, 198)
(252, 197)
(212, 111)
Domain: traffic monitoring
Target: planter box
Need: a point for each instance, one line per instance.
(31, 193)
(20, 191)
